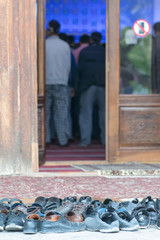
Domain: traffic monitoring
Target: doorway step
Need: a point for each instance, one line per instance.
(62, 159)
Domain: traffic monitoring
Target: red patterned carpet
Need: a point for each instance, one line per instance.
(95, 186)
(56, 154)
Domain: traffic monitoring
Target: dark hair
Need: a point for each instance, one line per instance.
(54, 26)
(96, 37)
(63, 36)
(71, 39)
(84, 38)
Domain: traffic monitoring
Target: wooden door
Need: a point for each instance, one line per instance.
(41, 5)
(134, 118)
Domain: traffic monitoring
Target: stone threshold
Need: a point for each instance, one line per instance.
(130, 169)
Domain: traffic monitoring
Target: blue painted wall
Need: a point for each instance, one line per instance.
(78, 16)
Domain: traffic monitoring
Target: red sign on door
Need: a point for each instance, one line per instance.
(141, 28)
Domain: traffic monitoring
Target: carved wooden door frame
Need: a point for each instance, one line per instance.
(41, 7)
(126, 112)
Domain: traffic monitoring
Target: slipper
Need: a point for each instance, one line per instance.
(142, 216)
(52, 203)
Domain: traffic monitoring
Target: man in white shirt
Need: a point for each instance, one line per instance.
(58, 65)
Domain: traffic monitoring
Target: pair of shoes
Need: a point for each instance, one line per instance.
(104, 222)
(55, 223)
(16, 216)
(37, 206)
(151, 207)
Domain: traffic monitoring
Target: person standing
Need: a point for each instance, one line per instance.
(91, 71)
(58, 65)
(84, 42)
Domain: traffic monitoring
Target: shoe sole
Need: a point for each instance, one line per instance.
(113, 230)
(103, 230)
(1, 229)
(13, 227)
(130, 229)
(143, 227)
(29, 232)
(44, 231)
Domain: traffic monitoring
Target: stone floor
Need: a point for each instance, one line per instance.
(142, 234)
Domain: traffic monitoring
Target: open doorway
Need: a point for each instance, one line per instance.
(76, 18)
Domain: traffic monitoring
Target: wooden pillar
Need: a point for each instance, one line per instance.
(41, 78)
(18, 87)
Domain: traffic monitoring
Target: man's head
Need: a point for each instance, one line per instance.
(84, 38)
(53, 27)
(96, 37)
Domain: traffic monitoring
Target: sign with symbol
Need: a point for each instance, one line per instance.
(141, 28)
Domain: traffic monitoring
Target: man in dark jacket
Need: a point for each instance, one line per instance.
(91, 69)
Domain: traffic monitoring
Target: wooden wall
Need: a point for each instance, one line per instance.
(18, 87)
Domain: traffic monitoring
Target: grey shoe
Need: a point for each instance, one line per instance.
(127, 222)
(3, 218)
(53, 223)
(32, 223)
(129, 205)
(15, 221)
(142, 217)
(153, 215)
(52, 203)
(16, 217)
(64, 208)
(94, 223)
(111, 220)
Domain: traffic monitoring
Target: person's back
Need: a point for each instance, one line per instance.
(58, 64)
(57, 61)
(91, 66)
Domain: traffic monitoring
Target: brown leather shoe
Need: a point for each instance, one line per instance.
(73, 217)
(51, 216)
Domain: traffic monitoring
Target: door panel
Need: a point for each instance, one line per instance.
(134, 106)
(139, 127)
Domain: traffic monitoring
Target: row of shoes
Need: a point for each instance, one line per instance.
(55, 215)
